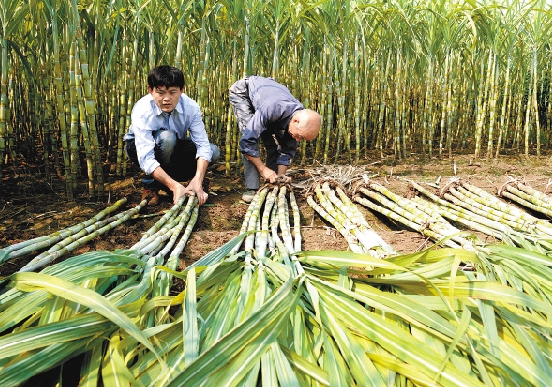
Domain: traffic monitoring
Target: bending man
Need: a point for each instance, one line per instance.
(266, 110)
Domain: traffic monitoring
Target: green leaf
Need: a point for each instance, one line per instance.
(250, 337)
(62, 288)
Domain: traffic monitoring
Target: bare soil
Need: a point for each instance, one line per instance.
(33, 205)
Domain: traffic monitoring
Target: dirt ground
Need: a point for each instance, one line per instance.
(35, 206)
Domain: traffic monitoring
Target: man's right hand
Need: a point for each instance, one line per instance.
(269, 175)
(178, 191)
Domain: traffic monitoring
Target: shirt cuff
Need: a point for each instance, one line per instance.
(150, 166)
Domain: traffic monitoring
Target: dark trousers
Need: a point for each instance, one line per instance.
(182, 165)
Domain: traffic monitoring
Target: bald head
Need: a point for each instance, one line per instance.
(306, 124)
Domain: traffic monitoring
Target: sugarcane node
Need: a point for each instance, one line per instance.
(411, 192)
(451, 183)
(548, 186)
(509, 182)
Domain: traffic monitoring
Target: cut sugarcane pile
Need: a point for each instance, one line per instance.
(415, 215)
(64, 241)
(403, 320)
(481, 202)
(342, 213)
(481, 211)
(272, 224)
(527, 197)
(156, 241)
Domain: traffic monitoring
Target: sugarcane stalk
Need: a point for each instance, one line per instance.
(146, 237)
(252, 225)
(455, 216)
(153, 244)
(401, 219)
(481, 196)
(163, 283)
(524, 200)
(464, 213)
(247, 216)
(407, 209)
(460, 199)
(366, 236)
(283, 217)
(44, 259)
(22, 248)
(540, 198)
(274, 221)
(351, 240)
(296, 221)
(263, 237)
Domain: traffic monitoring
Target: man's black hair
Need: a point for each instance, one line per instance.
(165, 76)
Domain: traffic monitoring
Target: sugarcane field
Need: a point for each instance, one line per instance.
(283, 193)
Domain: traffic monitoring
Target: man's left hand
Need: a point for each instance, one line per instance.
(195, 188)
(283, 179)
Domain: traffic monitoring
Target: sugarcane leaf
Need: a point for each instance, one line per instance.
(79, 327)
(305, 367)
(87, 297)
(215, 256)
(395, 340)
(361, 367)
(268, 370)
(91, 366)
(403, 307)
(400, 367)
(34, 362)
(191, 336)
(531, 343)
(335, 364)
(344, 258)
(253, 335)
(286, 375)
(114, 369)
(524, 255)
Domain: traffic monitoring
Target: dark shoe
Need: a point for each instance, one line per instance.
(248, 196)
(155, 196)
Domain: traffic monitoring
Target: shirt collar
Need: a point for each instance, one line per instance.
(159, 112)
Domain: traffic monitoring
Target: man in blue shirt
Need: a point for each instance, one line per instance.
(158, 140)
(267, 110)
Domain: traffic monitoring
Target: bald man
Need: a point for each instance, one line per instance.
(266, 110)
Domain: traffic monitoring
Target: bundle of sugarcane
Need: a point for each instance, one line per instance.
(171, 223)
(461, 215)
(347, 219)
(42, 242)
(72, 242)
(423, 219)
(485, 204)
(526, 196)
(267, 222)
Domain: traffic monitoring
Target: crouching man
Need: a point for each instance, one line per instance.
(158, 140)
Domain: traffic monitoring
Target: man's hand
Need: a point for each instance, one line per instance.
(284, 179)
(269, 175)
(176, 188)
(195, 188)
(178, 191)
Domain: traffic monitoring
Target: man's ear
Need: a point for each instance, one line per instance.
(150, 90)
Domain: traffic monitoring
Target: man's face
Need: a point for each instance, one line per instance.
(166, 98)
(294, 131)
